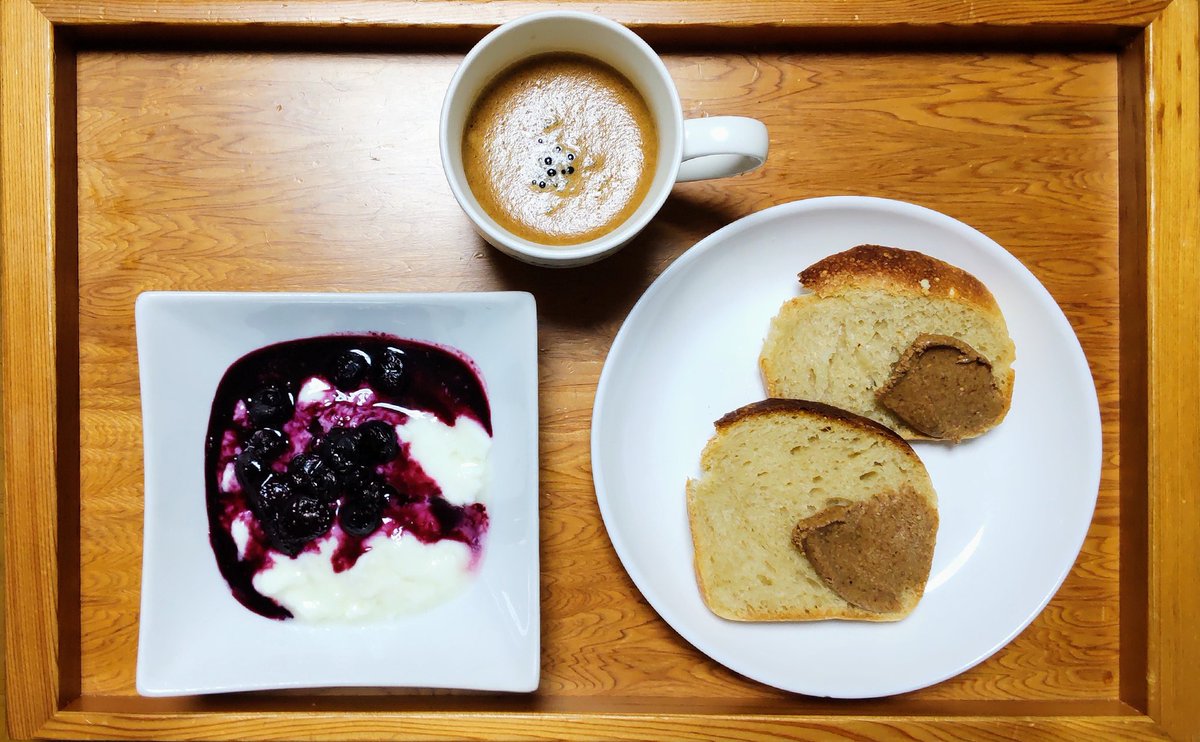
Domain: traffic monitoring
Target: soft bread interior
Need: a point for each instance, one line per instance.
(841, 349)
(761, 475)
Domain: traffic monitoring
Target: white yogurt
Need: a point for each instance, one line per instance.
(240, 530)
(454, 455)
(399, 575)
(229, 478)
(396, 575)
(315, 391)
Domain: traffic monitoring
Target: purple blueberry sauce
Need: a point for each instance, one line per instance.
(317, 399)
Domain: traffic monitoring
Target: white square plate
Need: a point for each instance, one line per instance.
(195, 637)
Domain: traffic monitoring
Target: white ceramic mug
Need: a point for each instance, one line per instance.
(695, 149)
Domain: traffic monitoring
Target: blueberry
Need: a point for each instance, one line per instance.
(298, 521)
(269, 406)
(378, 492)
(341, 448)
(390, 371)
(359, 516)
(362, 510)
(448, 516)
(311, 476)
(350, 368)
(271, 497)
(377, 442)
(357, 478)
(250, 470)
(253, 465)
(266, 444)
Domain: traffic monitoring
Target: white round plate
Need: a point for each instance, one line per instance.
(1015, 504)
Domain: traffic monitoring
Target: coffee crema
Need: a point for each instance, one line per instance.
(560, 149)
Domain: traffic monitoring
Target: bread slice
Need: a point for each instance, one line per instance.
(867, 306)
(772, 465)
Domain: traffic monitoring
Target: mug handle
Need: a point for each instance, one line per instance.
(721, 146)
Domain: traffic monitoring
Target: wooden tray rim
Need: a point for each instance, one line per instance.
(1160, 433)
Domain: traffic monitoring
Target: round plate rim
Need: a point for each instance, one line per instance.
(708, 243)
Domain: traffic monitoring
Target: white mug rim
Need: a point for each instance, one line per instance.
(624, 232)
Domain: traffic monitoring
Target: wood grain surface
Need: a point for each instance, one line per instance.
(320, 172)
(28, 364)
(1171, 128)
(944, 14)
(317, 726)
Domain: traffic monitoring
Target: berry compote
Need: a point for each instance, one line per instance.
(307, 454)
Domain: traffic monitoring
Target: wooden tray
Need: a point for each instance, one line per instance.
(292, 146)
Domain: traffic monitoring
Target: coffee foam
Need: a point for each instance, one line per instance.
(560, 149)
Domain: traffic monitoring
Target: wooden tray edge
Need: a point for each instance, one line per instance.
(1171, 124)
(265, 726)
(1160, 222)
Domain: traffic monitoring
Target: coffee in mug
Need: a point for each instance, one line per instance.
(615, 104)
(560, 149)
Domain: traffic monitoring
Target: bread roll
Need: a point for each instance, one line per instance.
(869, 307)
(780, 471)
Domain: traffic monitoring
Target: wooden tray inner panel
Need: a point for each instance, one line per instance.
(310, 171)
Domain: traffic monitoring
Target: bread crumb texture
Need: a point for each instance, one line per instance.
(838, 345)
(769, 466)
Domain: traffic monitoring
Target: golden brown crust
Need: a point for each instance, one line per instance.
(849, 613)
(816, 409)
(894, 270)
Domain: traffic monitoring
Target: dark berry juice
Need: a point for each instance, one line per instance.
(306, 444)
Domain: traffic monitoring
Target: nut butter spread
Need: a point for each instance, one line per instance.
(874, 552)
(943, 388)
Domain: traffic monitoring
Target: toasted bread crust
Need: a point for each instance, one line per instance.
(895, 271)
(848, 613)
(874, 272)
(814, 409)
